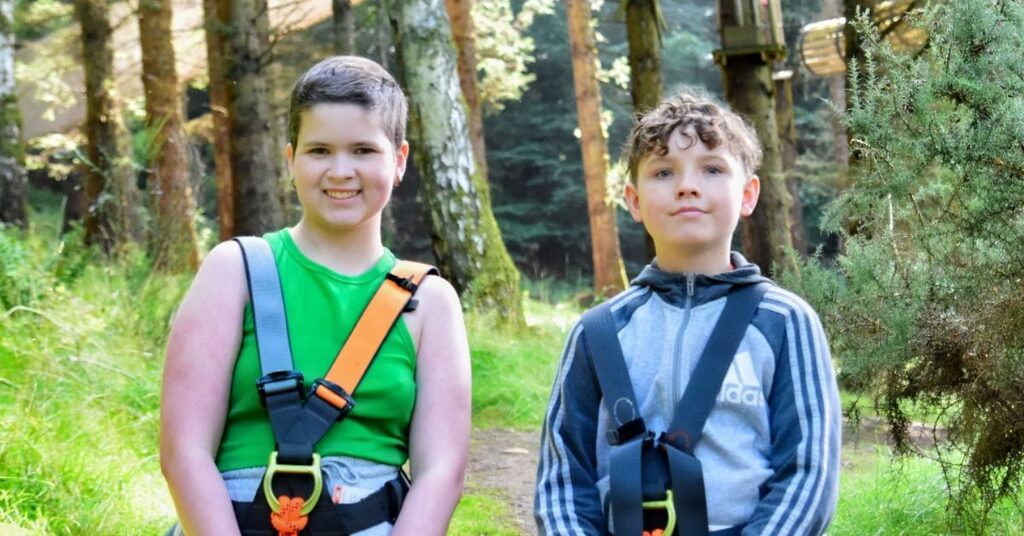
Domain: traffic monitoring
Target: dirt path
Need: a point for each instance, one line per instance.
(503, 463)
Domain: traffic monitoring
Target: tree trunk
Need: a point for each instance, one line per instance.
(609, 273)
(173, 244)
(464, 233)
(460, 14)
(644, 36)
(110, 190)
(13, 179)
(643, 32)
(255, 147)
(766, 234)
(344, 27)
(786, 125)
(383, 31)
(215, 20)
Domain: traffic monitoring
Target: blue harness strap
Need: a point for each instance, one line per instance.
(635, 450)
(267, 304)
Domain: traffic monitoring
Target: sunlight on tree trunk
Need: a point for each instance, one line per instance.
(460, 14)
(173, 245)
(467, 243)
(13, 180)
(110, 191)
(609, 272)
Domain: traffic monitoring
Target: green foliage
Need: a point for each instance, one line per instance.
(482, 515)
(927, 305)
(36, 18)
(79, 388)
(503, 51)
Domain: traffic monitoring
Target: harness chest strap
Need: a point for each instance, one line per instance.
(297, 424)
(632, 443)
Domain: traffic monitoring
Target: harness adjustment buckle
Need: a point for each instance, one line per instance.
(627, 431)
(279, 381)
(403, 282)
(334, 395)
(669, 506)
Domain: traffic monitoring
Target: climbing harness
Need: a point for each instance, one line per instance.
(292, 499)
(656, 482)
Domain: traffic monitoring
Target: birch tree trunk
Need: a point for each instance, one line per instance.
(173, 244)
(785, 122)
(609, 273)
(110, 191)
(460, 14)
(256, 150)
(749, 89)
(13, 180)
(467, 243)
(215, 20)
(343, 27)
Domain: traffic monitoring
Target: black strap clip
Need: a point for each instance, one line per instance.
(404, 282)
(277, 382)
(627, 431)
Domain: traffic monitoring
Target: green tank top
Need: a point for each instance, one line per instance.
(322, 307)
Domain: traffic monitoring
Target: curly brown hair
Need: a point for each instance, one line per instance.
(712, 123)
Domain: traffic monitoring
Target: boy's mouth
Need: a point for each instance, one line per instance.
(687, 211)
(341, 194)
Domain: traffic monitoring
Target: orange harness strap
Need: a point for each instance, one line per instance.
(372, 327)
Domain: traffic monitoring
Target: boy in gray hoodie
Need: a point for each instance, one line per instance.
(769, 451)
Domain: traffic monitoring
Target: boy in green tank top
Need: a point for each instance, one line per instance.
(346, 153)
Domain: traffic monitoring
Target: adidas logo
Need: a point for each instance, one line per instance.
(741, 384)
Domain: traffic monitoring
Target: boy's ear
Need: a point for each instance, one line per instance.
(289, 153)
(401, 157)
(632, 196)
(751, 191)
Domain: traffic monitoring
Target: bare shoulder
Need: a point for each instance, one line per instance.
(438, 312)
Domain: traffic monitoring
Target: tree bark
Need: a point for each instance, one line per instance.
(765, 234)
(110, 191)
(344, 27)
(786, 125)
(643, 34)
(173, 244)
(215, 20)
(13, 179)
(609, 273)
(460, 12)
(467, 243)
(255, 146)
(644, 37)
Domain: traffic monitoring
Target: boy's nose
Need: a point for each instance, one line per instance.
(687, 186)
(341, 168)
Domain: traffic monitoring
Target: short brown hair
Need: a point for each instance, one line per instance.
(350, 80)
(712, 122)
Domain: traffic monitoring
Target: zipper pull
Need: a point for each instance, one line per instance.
(690, 280)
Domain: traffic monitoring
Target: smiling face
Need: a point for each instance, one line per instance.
(344, 167)
(690, 200)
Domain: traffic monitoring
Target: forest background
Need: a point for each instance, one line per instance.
(905, 234)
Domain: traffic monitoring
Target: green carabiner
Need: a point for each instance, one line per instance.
(312, 470)
(670, 509)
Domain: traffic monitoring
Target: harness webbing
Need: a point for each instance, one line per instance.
(639, 458)
(299, 421)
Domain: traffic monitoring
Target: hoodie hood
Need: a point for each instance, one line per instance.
(672, 286)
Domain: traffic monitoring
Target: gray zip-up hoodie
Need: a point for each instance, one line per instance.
(770, 447)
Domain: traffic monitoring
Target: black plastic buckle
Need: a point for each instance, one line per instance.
(336, 389)
(403, 282)
(627, 431)
(279, 381)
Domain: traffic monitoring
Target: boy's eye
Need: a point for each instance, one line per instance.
(714, 170)
(662, 173)
(365, 150)
(317, 150)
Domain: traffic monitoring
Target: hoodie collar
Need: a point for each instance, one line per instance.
(672, 286)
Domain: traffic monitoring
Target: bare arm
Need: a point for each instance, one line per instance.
(439, 434)
(201, 352)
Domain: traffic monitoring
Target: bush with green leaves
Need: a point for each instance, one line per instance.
(927, 303)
